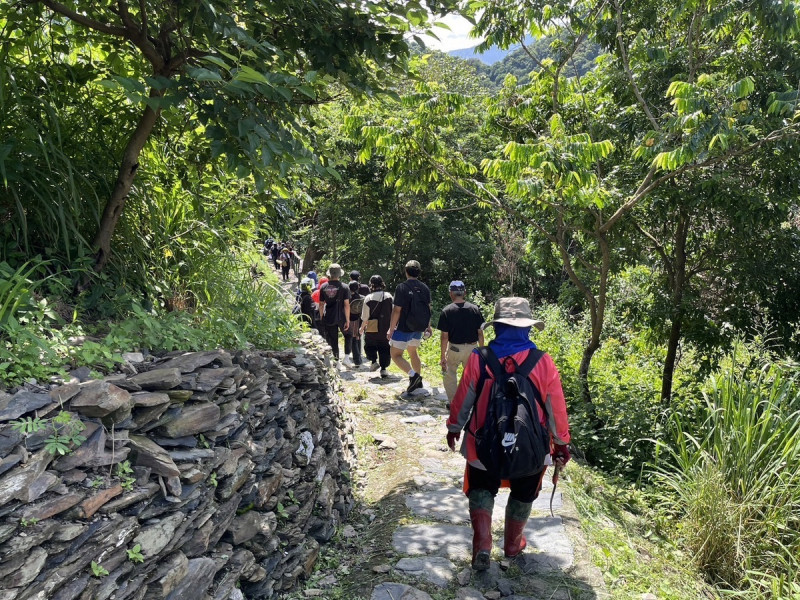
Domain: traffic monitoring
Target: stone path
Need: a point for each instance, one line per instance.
(430, 544)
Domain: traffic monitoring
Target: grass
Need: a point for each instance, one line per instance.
(732, 485)
(633, 558)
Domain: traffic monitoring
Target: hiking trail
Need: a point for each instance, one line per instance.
(410, 537)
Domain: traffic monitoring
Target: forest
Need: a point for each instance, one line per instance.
(633, 172)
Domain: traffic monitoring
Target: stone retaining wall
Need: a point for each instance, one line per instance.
(202, 475)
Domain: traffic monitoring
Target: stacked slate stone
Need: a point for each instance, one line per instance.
(241, 466)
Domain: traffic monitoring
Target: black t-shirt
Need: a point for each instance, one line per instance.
(307, 307)
(461, 320)
(403, 295)
(333, 294)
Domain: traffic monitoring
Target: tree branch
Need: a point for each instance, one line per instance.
(649, 184)
(83, 19)
(627, 68)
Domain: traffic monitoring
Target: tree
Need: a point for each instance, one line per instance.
(246, 71)
(668, 103)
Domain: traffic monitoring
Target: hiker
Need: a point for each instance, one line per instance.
(334, 308)
(411, 316)
(307, 310)
(460, 326)
(315, 300)
(286, 263)
(363, 288)
(312, 275)
(275, 252)
(376, 316)
(511, 347)
(352, 339)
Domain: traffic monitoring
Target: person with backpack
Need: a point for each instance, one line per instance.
(334, 308)
(511, 406)
(376, 317)
(286, 263)
(306, 305)
(460, 326)
(275, 252)
(411, 316)
(352, 339)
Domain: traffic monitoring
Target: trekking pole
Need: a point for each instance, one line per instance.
(557, 469)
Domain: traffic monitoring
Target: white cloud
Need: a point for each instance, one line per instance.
(454, 39)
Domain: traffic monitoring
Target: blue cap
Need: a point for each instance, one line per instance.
(457, 286)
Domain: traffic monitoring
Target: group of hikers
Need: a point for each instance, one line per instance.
(283, 257)
(509, 401)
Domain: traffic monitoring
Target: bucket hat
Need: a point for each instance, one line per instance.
(516, 312)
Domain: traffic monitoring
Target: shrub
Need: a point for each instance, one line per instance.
(733, 484)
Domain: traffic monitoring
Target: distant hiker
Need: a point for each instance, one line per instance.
(312, 275)
(460, 326)
(334, 308)
(411, 316)
(352, 339)
(307, 309)
(286, 263)
(275, 252)
(376, 317)
(315, 300)
(363, 288)
(474, 407)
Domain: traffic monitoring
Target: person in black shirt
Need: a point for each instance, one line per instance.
(306, 304)
(376, 316)
(334, 308)
(411, 316)
(460, 326)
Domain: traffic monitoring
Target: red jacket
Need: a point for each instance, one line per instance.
(544, 376)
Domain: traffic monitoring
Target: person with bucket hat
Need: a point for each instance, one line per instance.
(512, 345)
(460, 326)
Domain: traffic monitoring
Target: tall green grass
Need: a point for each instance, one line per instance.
(733, 484)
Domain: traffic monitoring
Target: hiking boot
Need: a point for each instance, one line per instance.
(384, 373)
(517, 514)
(347, 362)
(481, 503)
(414, 382)
(375, 366)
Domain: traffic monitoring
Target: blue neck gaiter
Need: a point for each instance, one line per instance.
(510, 340)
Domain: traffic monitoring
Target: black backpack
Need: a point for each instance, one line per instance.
(513, 442)
(419, 311)
(356, 304)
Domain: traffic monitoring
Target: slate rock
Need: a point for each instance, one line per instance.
(100, 398)
(147, 453)
(397, 591)
(168, 574)
(154, 538)
(191, 361)
(22, 569)
(13, 407)
(65, 392)
(437, 570)
(252, 523)
(51, 507)
(157, 379)
(192, 419)
(451, 541)
(200, 575)
(469, 593)
(149, 399)
(14, 484)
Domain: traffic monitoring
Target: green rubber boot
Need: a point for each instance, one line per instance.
(517, 514)
(481, 503)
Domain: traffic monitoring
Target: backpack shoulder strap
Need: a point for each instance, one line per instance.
(491, 361)
(530, 362)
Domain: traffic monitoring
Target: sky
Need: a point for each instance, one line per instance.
(456, 38)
